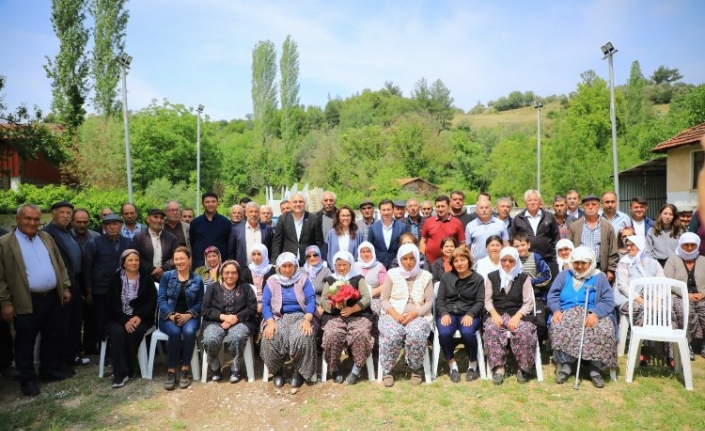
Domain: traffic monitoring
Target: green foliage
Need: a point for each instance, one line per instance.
(162, 190)
(110, 17)
(435, 100)
(264, 90)
(665, 75)
(100, 153)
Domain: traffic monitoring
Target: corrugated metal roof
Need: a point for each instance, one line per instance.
(686, 137)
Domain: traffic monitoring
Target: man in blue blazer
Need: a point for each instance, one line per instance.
(244, 235)
(295, 231)
(384, 234)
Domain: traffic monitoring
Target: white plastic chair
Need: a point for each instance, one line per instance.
(249, 356)
(142, 356)
(623, 332)
(370, 369)
(428, 373)
(658, 306)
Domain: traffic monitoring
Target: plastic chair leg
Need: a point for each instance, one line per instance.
(250, 359)
(623, 332)
(480, 357)
(685, 363)
(142, 357)
(634, 350)
(539, 364)
(101, 361)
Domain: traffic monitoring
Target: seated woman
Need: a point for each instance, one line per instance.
(261, 270)
(442, 264)
(410, 238)
(563, 249)
(346, 323)
(180, 300)
(566, 299)
(373, 271)
(625, 233)
(459, 306)
(130, 306)
(229, 316)
(509, 299)
(289, 322)
(689, 267)
(490, 262)
(209, 272)
(345, 236)
(316, 268)
(405, 322)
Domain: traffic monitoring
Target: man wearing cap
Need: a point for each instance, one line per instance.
(155, 246)
(101, 260)
(175, 226)
(596, 233)
(72, 255)
(367, 211)
(34, 286)
(399, 209)
(413, 219)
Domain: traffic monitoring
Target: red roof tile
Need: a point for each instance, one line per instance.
(686, 137)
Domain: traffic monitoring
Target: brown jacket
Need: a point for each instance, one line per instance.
(14, 287)
(609, 254)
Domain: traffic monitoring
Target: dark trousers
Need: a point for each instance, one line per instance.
(46, 318)
(467, 335)
(175, 344)
(73, 322)
(6, 349)
(95, 323)
(124, 347)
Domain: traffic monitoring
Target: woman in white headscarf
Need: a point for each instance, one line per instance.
(566, 299)
(689, 267)
(261, 270)
(509, 301)
(374, 272)
(405, 321)
(346, 323)
(563, 249)
(289, 322)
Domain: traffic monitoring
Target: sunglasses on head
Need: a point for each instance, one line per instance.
(309, 256)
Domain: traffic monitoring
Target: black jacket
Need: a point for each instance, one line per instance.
(144, 305)
(142, 242)
(285, 236)
(461, 296)
(245, 306)
(546, 237)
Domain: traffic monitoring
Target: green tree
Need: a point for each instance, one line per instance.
(435, 100)
(99, 158)
(289, 92)
(264, 90)
(664, 74)
(69, 69)
(635, 96)
(110, 17)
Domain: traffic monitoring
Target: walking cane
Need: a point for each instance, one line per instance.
(582, 337)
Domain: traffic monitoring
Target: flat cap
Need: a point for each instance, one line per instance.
(61, 205)
(590, 198)
(111, 218)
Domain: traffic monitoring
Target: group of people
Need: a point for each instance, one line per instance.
(338, 282)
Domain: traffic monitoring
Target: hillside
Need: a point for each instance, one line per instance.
(526, 115)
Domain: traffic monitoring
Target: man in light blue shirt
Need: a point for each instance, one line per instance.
(609, 212)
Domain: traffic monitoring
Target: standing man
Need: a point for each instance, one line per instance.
(559, 212)
(325, 218)
(187, 215)
(237, 214)
(155, 246)
(596, 233)
(247, 234)
(130, 226)
(457, 207)
(399, 209)
(541, 228)
(72, 256)
(426, 209)
(504, 208)
(175, 226)
(34, 286)
(414, 219)
(265, 215)
(573, 203)
(384, 233)
(209, 229)
(439, 227)
(295, 231)
(639, 221)
(482, 227)
(101, 260)
(79, 227)
(609, 212)
(367, 211)
(284, 206)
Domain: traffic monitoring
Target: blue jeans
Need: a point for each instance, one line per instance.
(467, 334)
(188, 332)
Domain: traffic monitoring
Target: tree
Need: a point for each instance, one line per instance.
(264, 90)
(664, 74)
(69, 69)
(435, 100)
(635, 95)
(110, 19)
(289, 92)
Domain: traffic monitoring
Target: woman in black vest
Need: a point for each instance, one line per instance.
(509, 300)
(346, 323)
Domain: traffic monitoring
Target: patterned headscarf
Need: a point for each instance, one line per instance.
(312, 271)
(212, 249)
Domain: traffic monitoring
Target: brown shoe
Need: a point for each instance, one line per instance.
(388, 380)
(416, 377)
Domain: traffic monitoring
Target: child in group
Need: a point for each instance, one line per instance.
(533, 265)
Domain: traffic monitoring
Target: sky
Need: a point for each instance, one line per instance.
(200, 51)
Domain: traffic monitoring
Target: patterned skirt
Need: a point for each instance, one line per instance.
(353, 331)
(696, 316)
(289, 341)
(599, 343)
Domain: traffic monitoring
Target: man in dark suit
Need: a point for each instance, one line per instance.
(295, 231)
(384, 234)
(245, 235)
(155, 245)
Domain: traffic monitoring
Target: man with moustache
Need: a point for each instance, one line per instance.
(175, 226)
(155, 246)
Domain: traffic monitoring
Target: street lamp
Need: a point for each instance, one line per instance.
(608, 50)
(198, 159)
(124, 61)
(538, 106)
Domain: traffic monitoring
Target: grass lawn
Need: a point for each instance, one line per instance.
(655, 400)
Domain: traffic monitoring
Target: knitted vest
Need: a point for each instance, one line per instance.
(400, 294)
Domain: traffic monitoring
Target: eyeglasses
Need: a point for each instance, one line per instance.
(309, 256)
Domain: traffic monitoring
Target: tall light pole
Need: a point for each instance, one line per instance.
(538, 106)
(124, 60)
(198, 159)
(609, 50)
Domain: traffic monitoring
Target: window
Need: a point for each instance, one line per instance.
(698, 157)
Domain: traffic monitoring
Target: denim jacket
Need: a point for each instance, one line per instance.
(169, 288)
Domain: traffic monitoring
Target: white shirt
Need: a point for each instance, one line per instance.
(298, 224)
(639, 227)
(252, 236)
(344, 241)
(157, 245)
(387, 233)
(534, 221)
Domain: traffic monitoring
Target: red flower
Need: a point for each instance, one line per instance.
(343, 294)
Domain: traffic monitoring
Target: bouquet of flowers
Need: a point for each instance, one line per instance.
(340, 293)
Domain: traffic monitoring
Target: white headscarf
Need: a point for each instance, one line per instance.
(508, 277)
(348, 257)
(563, 243)
(584, 254)
(403, 251)
(688, 238)
(283, 258)
(263, 267)
(362, 264)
